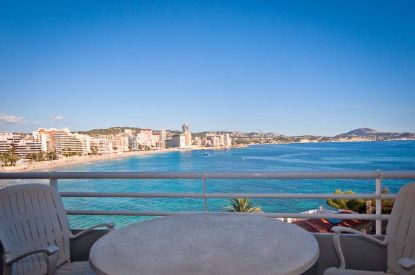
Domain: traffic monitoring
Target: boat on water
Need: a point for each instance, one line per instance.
(205, 153)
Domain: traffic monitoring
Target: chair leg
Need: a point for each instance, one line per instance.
(7, 269)
(52, 261)
(337, 245)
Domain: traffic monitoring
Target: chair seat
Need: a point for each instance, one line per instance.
(75, 268)
(338, 271)
(33, 264)
(39, 267)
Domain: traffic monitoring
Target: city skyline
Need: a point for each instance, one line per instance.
(185, 129)
(291, 68)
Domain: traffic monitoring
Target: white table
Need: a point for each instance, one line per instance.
(205, 243)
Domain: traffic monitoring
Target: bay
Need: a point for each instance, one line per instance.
(353, 156)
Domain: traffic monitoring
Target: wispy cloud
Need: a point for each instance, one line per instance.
(11, 119)
(56, 117)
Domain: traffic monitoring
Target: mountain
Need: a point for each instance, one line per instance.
(362, 132)
(368, 132)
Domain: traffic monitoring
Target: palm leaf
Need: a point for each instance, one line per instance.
(242, 205)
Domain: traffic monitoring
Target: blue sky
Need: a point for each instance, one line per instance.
(291, 67)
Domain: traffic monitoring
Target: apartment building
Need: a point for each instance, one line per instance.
(5, 144)
(197, 141)
(227, 140)
(27, 146)
(145, 138)
(215, 140)
(187, 135)
(121, 143)
(101, 145)
(62, 141)
(177, 141)
(22, 145)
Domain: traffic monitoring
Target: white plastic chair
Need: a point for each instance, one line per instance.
(34, 232)
(400, 238)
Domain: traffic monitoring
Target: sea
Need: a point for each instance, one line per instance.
(334, 156)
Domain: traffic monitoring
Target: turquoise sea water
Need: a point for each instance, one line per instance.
(394, 155)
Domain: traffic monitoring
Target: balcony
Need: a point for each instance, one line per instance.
(359, 253)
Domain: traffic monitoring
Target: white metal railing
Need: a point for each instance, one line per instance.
(376, 175)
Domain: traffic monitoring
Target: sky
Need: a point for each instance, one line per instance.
(289, 67)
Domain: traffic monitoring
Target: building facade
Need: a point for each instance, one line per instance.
(187, 135)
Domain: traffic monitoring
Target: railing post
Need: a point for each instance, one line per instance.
(204, 193)
(53, 181)
(379, 203)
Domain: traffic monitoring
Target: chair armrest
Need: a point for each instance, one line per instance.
(336, 241)
(341, 229)
(110, 227)
(50, 251)
(407, 263)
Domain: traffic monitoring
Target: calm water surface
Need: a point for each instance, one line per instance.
(395, 155)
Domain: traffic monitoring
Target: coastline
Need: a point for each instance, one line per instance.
(79, 160)
(51, 165)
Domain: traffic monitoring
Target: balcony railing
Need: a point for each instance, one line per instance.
(377, 176)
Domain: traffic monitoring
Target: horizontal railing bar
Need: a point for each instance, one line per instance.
(192, 175)
(129, 195)
(271, 215)
(328, 216)
(298, 196)
(122, 213)
(225, 195)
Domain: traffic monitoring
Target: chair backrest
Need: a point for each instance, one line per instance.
(33, 216)
(401, 229)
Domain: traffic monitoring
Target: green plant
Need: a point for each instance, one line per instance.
(36, 156)
(357, 205)
(242, 205)
(387, 205)
(51, 155)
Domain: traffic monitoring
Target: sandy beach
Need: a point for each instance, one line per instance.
(79, 160)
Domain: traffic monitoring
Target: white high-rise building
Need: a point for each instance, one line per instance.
(144, 139)
(124, 142)
(215, 141)
(178, 141)
(120, 142)
(227, 140)
(62, 141)
(101, 145)
(23, 145)
(134, 143)
(187, 135)
(28, 146)
(221, 140)
(5, 144)
(161, 142)
(85, 143)
(163, 135)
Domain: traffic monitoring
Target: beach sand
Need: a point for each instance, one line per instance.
(79, 160)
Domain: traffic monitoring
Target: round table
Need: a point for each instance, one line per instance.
(206, 243)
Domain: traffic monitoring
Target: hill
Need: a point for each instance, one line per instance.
(368, 132)
(108, 131)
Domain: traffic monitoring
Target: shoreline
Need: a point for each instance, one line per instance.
(51, 165)
(80, 160)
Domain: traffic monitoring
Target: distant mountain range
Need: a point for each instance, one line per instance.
(368, 132)
(361, 133)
